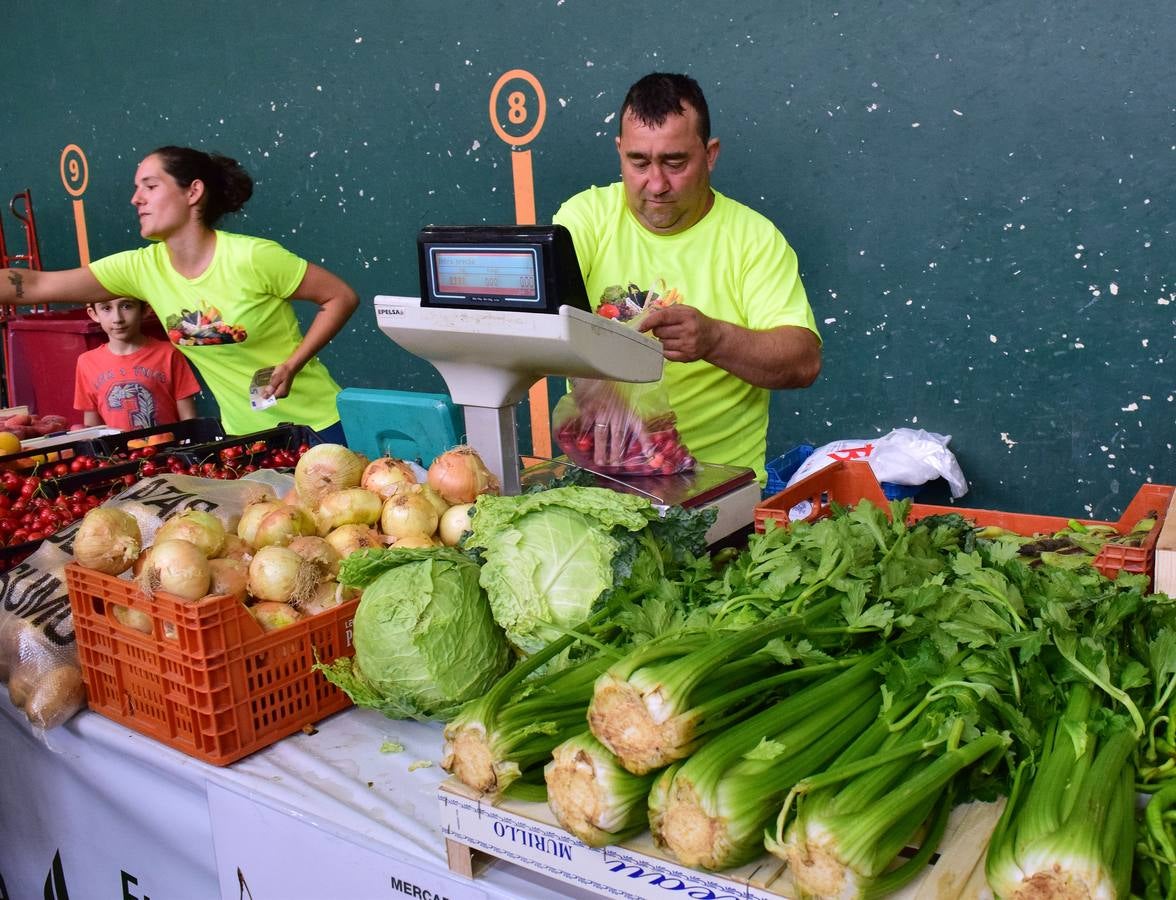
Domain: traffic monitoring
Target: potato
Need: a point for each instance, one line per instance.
(57, 695)
(20, 685)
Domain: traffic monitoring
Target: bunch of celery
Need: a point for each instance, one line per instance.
(659, 702)
(710, 810)
(795, 596)
(1068, 828)
(853, 819)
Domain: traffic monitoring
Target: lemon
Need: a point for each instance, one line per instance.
(9, 442)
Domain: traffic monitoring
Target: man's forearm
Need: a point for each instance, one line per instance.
(777, 359)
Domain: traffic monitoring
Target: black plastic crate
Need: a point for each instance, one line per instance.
(25, 462)
(13, 555)
(185, 434)
(287, 436)
(99, 480)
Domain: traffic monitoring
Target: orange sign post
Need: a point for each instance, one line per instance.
(518, 98)
(75, 175)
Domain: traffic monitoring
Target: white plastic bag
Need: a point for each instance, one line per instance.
(904, 456)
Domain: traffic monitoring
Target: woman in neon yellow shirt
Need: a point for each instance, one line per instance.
(221, 296)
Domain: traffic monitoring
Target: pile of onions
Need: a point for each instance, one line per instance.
(324, 468)
(349, 506)
(176, 567)
(197, 527)
(459, 476)
(108, 540)
(387, 475)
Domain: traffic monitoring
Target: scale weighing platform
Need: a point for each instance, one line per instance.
(502, 307)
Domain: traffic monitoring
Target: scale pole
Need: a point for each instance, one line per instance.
(493, 432)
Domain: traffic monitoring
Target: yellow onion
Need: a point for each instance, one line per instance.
(414, 540)
(280, 526)
(228, 576)
(132, 618)
(405, 514)
(439, 503)
(387, 475)
(348, 506)
(141, 563)
(280, 575)
(327, 595)
(459, 475)
(347, 539)
(176, 567)
(251, 517)
(108, 540)
(195, 526)
(454, 524)
(271, 615)
(235, 548)
(316, 550)
(326, 467)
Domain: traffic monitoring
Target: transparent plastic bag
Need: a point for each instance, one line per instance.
(620, 429)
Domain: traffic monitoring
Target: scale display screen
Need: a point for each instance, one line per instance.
(486, 275)
(523, 268)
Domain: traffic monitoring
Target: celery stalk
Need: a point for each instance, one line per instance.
(592, 795)
(1066, 827)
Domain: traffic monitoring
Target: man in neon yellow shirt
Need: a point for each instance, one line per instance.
(744, 326)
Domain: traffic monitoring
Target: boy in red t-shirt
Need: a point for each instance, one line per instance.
(134, 381)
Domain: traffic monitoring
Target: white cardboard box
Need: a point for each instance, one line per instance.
(526, 834)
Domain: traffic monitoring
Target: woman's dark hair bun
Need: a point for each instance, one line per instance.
(227, 186)
(236, 185)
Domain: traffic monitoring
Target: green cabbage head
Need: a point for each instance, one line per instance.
(425, 641)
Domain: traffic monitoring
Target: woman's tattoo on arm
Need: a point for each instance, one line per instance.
(17, 283)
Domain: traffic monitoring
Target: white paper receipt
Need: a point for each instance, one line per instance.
(261, 380)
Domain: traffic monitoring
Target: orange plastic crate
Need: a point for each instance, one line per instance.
(848, 481)
(207, 681)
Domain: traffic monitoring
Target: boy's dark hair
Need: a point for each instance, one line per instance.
(227, 186)
(93, 303)
(662, 94)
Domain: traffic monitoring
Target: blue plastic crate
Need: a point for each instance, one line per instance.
(404, 424)
(784, 467)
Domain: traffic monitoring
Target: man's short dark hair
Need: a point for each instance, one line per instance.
(662, 94)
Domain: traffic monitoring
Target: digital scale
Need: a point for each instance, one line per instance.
(504, 306)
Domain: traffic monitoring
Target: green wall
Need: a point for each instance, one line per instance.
(979, 193)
